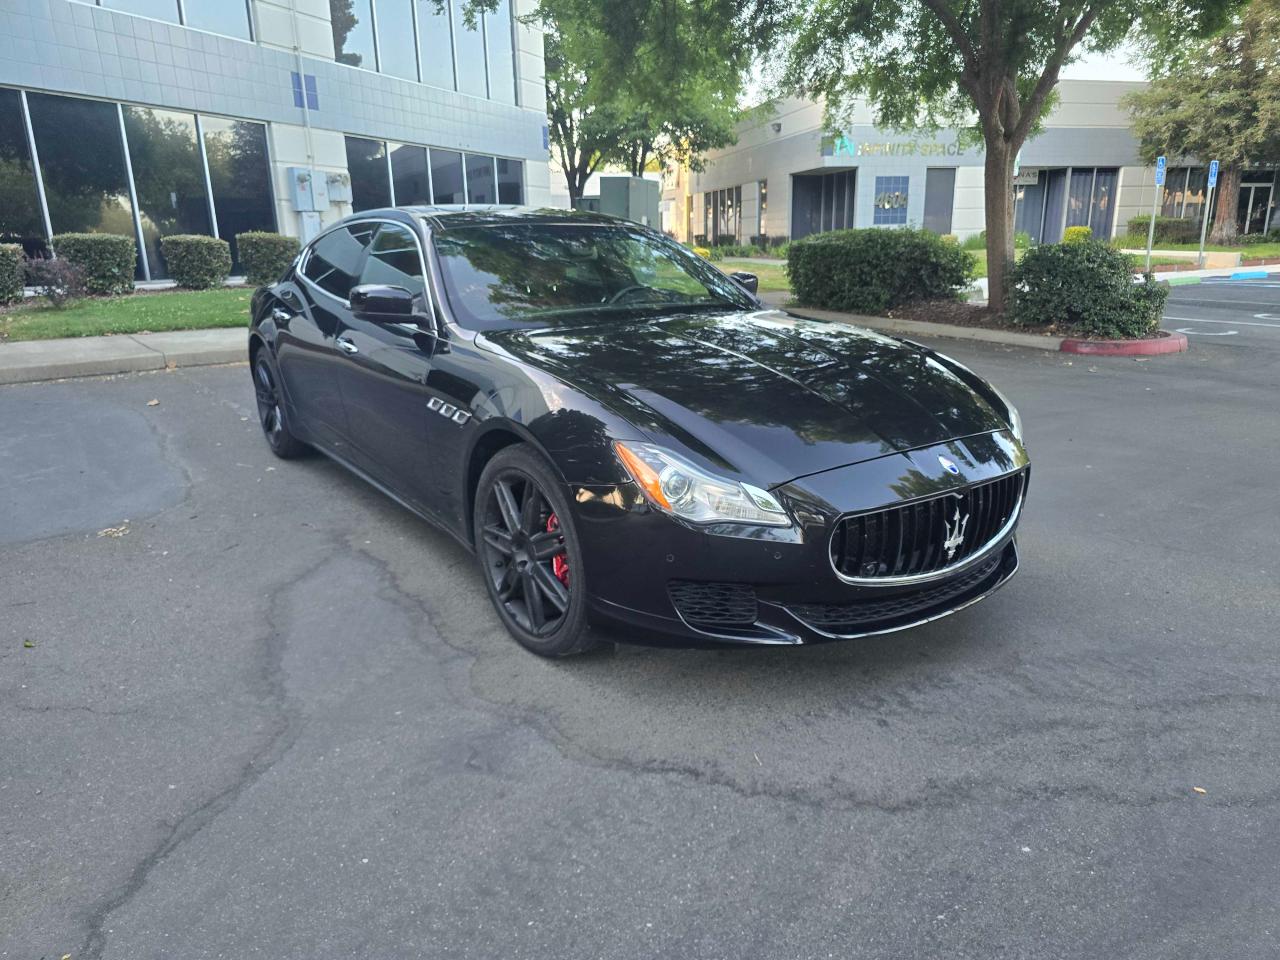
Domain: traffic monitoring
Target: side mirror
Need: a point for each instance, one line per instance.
(382, 304)
(747, 281)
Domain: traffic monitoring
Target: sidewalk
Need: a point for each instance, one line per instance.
(30, 360)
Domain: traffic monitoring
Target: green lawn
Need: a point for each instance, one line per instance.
(773, 276)
(1248, 251)
(138, 313)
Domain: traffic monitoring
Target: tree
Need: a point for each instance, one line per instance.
(582, 114)
(1219, 100)
(991, 65)
(623, 99)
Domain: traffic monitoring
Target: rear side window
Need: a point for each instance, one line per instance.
(394, 260)
(334, 261)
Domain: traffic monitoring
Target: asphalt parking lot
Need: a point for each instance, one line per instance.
(253, 708)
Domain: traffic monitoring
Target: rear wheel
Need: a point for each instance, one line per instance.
(271, 415)
(530, 555)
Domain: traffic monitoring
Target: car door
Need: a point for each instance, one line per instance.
(308, 322)
(384, 374)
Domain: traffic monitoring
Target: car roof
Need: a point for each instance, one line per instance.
(446, 218)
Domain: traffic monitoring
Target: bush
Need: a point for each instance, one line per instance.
(108, 259)
(1076, 234)
(196, 262)
(703, 252)
(59, 281)
(264, 257)
(1249, 239)
(1168, 229)
(1085, 288)
(11, 278)
(975, 241)
(875, 269)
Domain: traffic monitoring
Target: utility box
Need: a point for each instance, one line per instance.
(632, 198)
(339, 187)
(308, 190)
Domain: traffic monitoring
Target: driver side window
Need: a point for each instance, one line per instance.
(394, 260)
(331, 266)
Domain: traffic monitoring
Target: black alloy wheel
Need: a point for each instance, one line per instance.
(271, 413)
(529, 553)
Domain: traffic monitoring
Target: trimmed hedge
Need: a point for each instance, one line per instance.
(1085, 288)
(108, 259)
(1168, 229)
(264, 257)
(196, 262)
(871, 270)
(11, 273)
(1077, 234)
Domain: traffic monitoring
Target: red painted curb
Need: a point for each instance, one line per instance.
(1166, 342)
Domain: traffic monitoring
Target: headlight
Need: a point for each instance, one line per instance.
(682, 490)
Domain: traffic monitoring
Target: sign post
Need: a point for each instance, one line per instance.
(1155, 205)
(1208, 200)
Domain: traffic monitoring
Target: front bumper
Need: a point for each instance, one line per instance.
(663, 581)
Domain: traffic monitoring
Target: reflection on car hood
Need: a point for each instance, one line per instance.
(763, 394)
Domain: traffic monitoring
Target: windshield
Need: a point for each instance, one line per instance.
(531, 274)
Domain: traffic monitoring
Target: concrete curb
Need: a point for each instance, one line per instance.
(1167, 342)
(920, 328)
(29, 361)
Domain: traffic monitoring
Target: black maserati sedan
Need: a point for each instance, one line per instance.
(631, 443)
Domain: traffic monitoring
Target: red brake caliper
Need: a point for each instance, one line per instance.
(559, 565)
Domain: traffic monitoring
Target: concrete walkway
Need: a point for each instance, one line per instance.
(31, 360)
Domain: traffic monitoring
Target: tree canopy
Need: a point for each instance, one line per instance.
(1218, 99)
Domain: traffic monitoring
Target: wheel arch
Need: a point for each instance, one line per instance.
(496, 437)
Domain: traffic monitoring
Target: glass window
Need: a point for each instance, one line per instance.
(764, 204)
(227, 17)
(891, 201)
(1078, 197)
(502, 57)
(352, 22)
(510, 181)
(481, 185)
(470, 45)
(394, 260)
(446, 177)
(517, 274)
(1197, 187)
(367, 165)
(435, 44)
(20, 219)
(158, 9)
(409, 174)
(82, 162)
(167, 176)
(1102, 211)
(334, 261)
(241, 178)
(397, 43)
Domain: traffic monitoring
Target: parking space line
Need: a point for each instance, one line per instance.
(1230, 323)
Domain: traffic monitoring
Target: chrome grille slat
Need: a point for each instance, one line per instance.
(909, 541)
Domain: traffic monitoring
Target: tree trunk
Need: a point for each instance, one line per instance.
(1227, 202)
(998, 187)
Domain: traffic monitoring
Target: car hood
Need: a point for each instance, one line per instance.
(762, 394)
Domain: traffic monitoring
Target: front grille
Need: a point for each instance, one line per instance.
(714, 604)
(850, 617)
(926, 537)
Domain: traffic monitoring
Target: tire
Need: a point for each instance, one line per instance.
(271, 409)
(518, 551)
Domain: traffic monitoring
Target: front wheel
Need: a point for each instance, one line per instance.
(530, 554)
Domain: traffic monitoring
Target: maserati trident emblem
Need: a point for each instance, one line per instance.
(955, 533)
(948, 464)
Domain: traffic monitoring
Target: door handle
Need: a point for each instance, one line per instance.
(280, 315)
(346, 346)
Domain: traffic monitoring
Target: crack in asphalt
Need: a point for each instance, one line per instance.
(283, 734)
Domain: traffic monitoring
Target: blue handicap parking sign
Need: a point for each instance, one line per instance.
(1213, 173)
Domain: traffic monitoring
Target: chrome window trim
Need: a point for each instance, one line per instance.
(981, 553)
